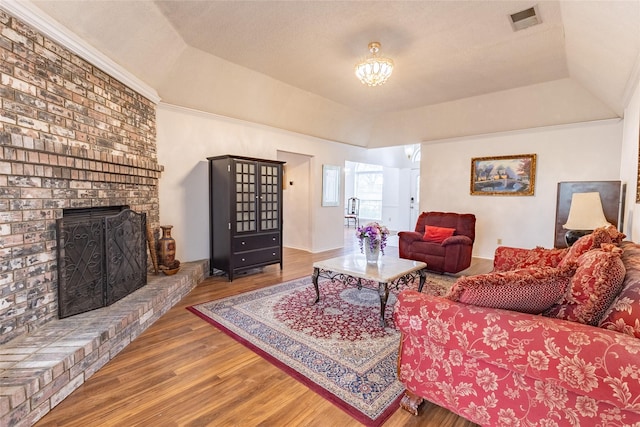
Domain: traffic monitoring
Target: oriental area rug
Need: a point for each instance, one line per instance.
(335, 347)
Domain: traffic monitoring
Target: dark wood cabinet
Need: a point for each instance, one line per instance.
(245, 210)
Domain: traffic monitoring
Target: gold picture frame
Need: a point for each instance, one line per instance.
(503, 175)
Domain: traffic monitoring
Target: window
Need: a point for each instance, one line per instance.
(368, 188)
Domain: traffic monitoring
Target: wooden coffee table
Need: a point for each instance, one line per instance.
(354, 269)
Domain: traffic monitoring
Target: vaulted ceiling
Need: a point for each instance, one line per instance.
(460, 67)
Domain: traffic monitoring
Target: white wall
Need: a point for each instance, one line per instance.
(187, 137)
(629, 164)
(588, 151)
(296, 210)
(580, 152)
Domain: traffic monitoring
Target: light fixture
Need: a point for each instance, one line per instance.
(412, 152)
(585, 215)
(375, 70)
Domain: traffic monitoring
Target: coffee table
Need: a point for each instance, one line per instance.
(353, 270)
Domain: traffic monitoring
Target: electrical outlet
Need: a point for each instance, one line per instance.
(499, 241)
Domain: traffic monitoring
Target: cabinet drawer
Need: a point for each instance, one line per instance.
(259, 241)
(246, 259)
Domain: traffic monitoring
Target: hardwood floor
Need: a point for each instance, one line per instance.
(184, 372)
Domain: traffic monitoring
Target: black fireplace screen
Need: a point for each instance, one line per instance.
(101, 257)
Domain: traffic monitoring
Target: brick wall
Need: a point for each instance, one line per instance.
(70, 136)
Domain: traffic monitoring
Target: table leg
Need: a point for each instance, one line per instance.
(314, 278)
(383, 291)
(423, 277)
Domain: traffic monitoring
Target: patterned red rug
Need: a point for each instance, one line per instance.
(336, 347)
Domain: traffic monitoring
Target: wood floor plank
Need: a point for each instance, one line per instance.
(182, 371)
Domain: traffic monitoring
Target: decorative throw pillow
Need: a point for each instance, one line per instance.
(586, 243)
(529, 290)
(507, 258)
(624, 313)
(437, 234)
(616, 236)
(596, 282)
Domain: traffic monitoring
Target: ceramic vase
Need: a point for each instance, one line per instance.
(166, 247)
(372, 255)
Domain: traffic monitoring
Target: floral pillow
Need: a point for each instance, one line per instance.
(529, 290)
(508, 258)
(597, 281)
(624, 314)
(437, 234)
(586, 243)
(616, 236)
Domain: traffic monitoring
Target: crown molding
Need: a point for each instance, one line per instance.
(32, 15)
(632, 83)
(543, 128)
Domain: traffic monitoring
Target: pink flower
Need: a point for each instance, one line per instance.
(577, 373)
(495, 337)
(538, 360)
(507, 417)
(437, 330)
(551, 395)
(431, 374)
(476, 413)
(415, 323)
(487, 380)
(579, 338)
(455, 357)
(586, 406)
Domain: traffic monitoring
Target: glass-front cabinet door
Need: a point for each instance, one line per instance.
(269, 191)
(246, 195)
(257, 196)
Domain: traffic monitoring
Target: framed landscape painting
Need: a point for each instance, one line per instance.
(503, 175)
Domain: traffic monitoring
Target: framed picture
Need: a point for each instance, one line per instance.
(503, 175)
(330, 185)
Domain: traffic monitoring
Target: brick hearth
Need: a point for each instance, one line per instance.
(39, 370)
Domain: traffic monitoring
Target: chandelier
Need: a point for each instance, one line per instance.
(374, 71)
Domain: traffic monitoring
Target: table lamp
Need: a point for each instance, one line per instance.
(585, 215)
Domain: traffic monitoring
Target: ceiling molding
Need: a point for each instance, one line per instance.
(30, 14)
(523, 131)
(242, 122)
(632, 83)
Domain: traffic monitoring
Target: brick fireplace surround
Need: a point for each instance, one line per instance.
(71, 136)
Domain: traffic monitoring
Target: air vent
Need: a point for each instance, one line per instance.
(525, 18)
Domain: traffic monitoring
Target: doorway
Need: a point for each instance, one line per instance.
(296, 201)
(414, 197)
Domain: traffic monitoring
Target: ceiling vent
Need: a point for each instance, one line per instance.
(525, 18)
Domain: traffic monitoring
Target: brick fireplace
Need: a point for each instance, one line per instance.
(71, 136)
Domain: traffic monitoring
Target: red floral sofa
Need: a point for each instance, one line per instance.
(572, 360)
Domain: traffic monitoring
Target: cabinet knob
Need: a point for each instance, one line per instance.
(243, 242)
(274, 254)
(242, 259)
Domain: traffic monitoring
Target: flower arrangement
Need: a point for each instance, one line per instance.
(376, 233)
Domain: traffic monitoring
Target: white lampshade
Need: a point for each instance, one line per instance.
(586, 212)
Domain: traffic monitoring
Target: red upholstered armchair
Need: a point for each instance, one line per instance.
(442, 254)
